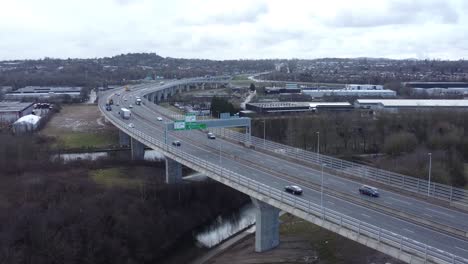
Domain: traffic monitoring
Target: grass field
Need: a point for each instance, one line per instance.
(80, 126)
(127, 177)
(73, 140)
(115, 177)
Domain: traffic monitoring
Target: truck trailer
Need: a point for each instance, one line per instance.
(125, 113)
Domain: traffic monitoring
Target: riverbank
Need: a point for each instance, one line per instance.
(301, 242)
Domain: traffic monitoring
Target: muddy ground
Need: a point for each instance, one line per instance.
(77, 118)
(303, 242)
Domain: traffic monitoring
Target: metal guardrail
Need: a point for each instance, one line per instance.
(403, 244)
(408, 183)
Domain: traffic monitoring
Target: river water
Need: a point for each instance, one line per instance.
(149, 155)
(225, 226)
(220, 229)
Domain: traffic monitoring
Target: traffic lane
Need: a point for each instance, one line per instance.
(281, 182)
(388, 199)
(395, 225)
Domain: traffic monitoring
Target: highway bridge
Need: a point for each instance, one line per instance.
(412, 220)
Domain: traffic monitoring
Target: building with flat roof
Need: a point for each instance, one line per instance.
(438, 88)
(12, 111)
(296, 107)
(395, 105)
(37, 92)
(363, 87)
(350, 93)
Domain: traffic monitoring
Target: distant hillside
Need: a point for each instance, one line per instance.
(118, 69)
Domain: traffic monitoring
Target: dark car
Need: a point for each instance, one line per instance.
(293, 189)
(368, 190)
(176, 143)
(108, 108)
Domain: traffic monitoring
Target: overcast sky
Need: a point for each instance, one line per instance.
(236, 29)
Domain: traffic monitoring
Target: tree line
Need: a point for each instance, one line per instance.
(54, 212)
(405, 139)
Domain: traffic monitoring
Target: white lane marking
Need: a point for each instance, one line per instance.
(401, 201)
(330, 202)
(439, 212)
(406, 229)
(387, 202)
(428, 215)
(336, 182)
(366, 215)
(464, 249)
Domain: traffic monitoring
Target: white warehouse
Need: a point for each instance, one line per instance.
(363, 87)
(395, 105)
(351, 93)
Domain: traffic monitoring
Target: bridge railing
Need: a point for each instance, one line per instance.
(360, 228)
(408, 183)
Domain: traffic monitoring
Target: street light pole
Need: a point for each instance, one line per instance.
(264, 132)
(318, 144)
(430, 168)
(321, 189)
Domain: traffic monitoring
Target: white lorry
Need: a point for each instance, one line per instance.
(125, 113)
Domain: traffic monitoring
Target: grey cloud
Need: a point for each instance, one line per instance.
(398, 13)
(233, 17)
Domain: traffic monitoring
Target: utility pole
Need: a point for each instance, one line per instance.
(430, 168)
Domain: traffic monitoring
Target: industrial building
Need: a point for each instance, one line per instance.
(350, 93)
(438, 88)
(39, 92)
(395, 105)
(12, 111)
(297, 107)
(363, 87)
(281, 90)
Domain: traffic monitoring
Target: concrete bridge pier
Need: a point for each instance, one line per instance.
(138, 150)
(266, 226)
(124, 139)
(173, 171)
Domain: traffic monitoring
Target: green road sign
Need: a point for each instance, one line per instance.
(179, 125)
(190, 117)
(195, 126)
(182, 125)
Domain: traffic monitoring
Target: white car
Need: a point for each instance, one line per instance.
(125, 99)
(159, 118)
(130, 106)
(131, 125)
(211, 135)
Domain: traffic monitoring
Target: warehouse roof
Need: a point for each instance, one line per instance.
(30, 119)
(47, 89)
(7, 106)
(415, 102)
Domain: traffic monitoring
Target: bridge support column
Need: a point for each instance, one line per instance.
(124, 139)
(266, 226)
(138, 150)
(173, 171)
